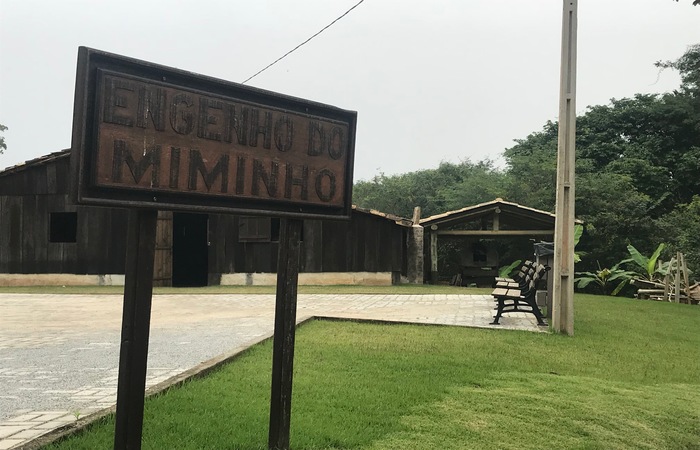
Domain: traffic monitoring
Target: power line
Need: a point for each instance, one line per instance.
(295, 48)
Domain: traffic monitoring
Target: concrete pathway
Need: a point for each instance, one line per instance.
(59, 354)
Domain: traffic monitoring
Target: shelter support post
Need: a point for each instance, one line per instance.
(415, 250)
(433, 255)
(563, 289)
(285, 327)
(136, 321)
(677, 280)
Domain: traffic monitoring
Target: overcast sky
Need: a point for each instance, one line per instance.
(431, 80)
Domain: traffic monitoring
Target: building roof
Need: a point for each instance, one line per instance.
(36, 162)
(397, 219)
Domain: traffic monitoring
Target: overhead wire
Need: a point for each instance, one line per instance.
(300, 45)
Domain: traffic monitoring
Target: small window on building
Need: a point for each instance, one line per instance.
(254, 229)
(63, 226)
(275, 230)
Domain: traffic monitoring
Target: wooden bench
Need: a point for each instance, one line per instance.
(520, 297)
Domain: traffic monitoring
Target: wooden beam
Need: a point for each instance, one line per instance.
(491, 233)
(677, 280)
(563, 287)
(433, 256)
(416, 215)
(415, 271)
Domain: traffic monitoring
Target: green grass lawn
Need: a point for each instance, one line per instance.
(338, 289)
(628, 379)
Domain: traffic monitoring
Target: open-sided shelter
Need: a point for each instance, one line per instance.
(472, 235)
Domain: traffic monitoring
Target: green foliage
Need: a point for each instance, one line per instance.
(637, 165)
(532, 169)
(650, 139)
(688, 65)
(608, 281)
(682, 229)
(695, 2)
(507, 271)
(578, 232)
(648, 265)
(450, 186)
(3, 146)
(612, 209)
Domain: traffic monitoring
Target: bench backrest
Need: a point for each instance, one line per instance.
(531, 282)
(523, 271)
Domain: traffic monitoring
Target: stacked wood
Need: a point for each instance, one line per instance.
(694, 293)
(675, 287)
(648, 289)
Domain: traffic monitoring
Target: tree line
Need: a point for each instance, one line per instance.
(637, 175)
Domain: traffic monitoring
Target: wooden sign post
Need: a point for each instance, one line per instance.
(136, 319)
(285, 327)
(149, 137)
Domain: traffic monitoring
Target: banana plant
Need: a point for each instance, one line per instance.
(578, 232)
(506, 271)
(609, 281)
(646, 266)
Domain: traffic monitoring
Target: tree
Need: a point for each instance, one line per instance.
(695, 2)
(532, 169)
(688, 65)
(613, 211)
(653, 139)
(3, 146)
(637, 160)
(682, 231)
(450, 186)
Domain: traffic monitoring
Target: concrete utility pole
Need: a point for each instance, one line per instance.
(563, 289)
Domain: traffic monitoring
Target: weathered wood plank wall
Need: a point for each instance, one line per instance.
(367, 243)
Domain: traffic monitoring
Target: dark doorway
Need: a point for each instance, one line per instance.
(190, 249)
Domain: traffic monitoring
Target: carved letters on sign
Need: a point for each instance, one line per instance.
(167, 138)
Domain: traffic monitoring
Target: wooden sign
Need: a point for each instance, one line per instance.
(156, 137)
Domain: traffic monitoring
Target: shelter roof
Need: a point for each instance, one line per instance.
(484, 209)
(36, 162)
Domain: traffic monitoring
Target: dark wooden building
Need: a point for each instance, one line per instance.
(43, 232)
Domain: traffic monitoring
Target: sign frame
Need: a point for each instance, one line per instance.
(88, 120)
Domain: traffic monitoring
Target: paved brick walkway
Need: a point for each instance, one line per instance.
(59, 354)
